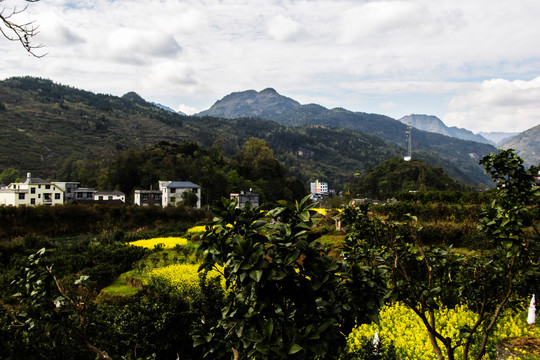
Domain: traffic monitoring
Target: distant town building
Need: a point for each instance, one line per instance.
(171, 192)
(147, 197)
(319, 189)
(244, 196)
(32, 191)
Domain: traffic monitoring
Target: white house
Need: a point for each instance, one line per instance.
(110, 196)
(171, 192)
(32, 191)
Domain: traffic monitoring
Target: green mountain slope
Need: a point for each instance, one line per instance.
(527, 145)
(268, 104)
(48, 126)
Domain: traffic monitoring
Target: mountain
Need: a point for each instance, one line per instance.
(268, 104)
(164, 107)
(498, 137)
(434, 124)
(527, 145)
(48, 128)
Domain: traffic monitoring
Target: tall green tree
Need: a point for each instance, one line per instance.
(287, 298)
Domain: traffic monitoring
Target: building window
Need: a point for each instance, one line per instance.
(21, 196)
(32, 201)
(145, 196)
(173, 190)
(79, 195)
(157, 197)
(100, 197)
(47, 187)
(32, 190)
(110, 197)
(173, 199)
(57, 196)
(39, 186)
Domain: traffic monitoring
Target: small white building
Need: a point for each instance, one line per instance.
(114, 195)
(171, 192)
(32, 191)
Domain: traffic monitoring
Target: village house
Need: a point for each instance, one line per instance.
(147, 197)
(32, 191)
(171, 192)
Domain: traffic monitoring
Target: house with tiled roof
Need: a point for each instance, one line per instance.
(32, 191)
(172, 192)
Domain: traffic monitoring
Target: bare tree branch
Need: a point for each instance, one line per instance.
(21, 32)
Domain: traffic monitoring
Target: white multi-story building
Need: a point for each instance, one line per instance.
(171, 192)
(147, 197)
(319, 189)
(32, 191)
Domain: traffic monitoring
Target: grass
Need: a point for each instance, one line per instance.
(119, 286)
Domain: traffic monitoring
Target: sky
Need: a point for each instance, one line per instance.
(475, 64)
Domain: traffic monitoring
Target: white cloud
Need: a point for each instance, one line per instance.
(497, 105)
(186, 109)
(283, 28)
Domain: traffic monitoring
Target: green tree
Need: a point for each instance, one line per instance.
(9, 176)
(287, 298)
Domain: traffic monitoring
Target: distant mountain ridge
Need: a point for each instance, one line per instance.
(527, 145)
(270, 105)
(434, 124)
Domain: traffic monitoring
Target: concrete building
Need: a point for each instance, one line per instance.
(171, 192)
(69, 188)
(147, 197)
(32, 191)
(114, 195)
(244, 196)
(319, 189)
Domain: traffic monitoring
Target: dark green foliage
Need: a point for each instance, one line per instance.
(396, 175)
(288, 300)
(73, 220)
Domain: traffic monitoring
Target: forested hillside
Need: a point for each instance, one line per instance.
(268, 104)
(47, 127)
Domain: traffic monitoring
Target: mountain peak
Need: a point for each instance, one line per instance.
(134, 97)
(250, 103)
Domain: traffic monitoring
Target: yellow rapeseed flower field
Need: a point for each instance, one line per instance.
(167, 242)
(184, 277)
(402, 327)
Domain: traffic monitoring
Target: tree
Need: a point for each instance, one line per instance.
(9, 176)
(287, 298)
(21, 32)
(487, 282)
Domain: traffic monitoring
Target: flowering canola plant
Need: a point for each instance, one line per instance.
(402, 327)
(196, 229)
(167, 242)
(183, 277)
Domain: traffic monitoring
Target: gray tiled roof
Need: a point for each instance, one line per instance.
(34, 180)
(182, 184)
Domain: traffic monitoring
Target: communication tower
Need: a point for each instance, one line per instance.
(409, 142)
